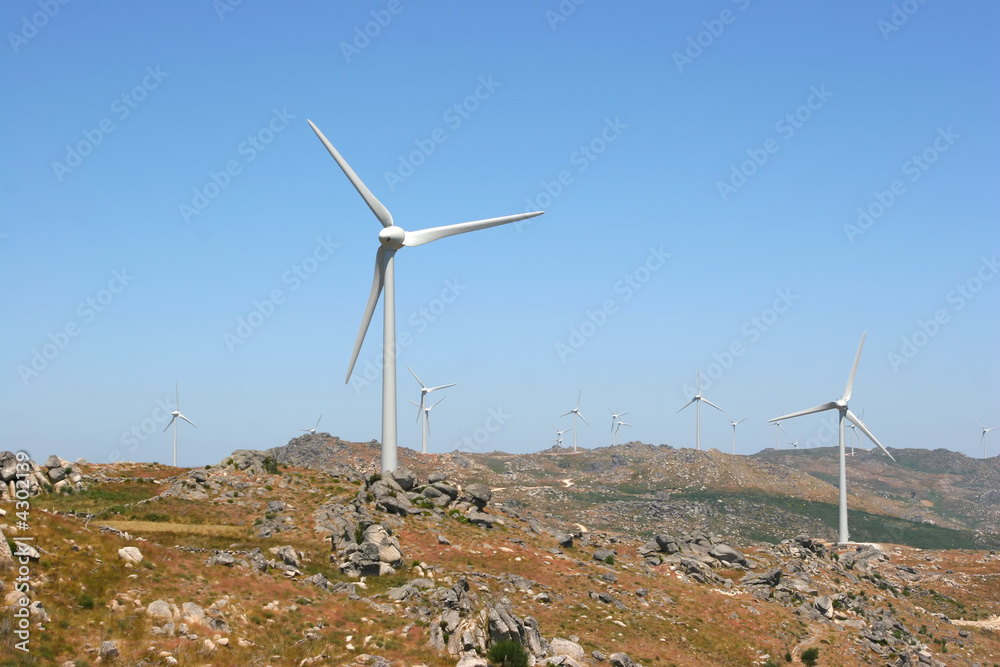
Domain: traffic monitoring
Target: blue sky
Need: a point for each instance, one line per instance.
(702, 166)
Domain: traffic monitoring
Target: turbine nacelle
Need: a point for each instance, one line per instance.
(392, 237)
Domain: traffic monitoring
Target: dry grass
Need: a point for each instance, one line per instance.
(146, 527)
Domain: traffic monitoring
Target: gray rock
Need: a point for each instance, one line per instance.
(404, 478)
(287, 554)
(56, 474)
(603, 554)
(447, 489)
(8, 466)
(53, 462)
(436, 477)
(159, 612)
(565, 647)
(598, 656)
(480, 518)
(824, 605)
(109, 650)
(479, 494)
(727, 554)
(472, 660)
(621, 660)
(130, 555)
(564, 539)
(221, 558)
(275, 506)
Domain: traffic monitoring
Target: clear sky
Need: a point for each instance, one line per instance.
(745, 184)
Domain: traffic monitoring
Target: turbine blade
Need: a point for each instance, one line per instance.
(432, 406)
(688, 403)
(981, 425)
(417, 404)
(566, 413)
(819, 408)
(584, 419)
(423, 236)
(178, 390)
(699, 380)
(705, 400)
(168, 424)
(742, 420)
(366, 318)
(444, 386)
(422, 385)
(854, 369)
(188, 420)
(318, 421)
(864, 429)
(578, 397)
(380, 211)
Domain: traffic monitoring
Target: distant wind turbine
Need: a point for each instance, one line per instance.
(982, 440)
(697, 400)
(421, 408)
(734, 431)
(778, 432)
(426, 411)
(173, 420)
(576, 413)
(841, 406)
(392, 238)
(559, 435)
(615, 416)
(618, 428)
(795, 445)
(313, 429)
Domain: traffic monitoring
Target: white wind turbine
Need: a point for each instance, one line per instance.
(313, 429)
(841, 406)
(421, 408)
(392, 238)
(778, 432)
(615, 416)
(734, 431)
(983, 438)
(173, 420)
(795, 445)
(576, 413)
(618, 428)
(697, 400)
(559, 435)
(426, 411)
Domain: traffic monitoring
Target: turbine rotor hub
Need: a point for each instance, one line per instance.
(842, 404)
(392, 237)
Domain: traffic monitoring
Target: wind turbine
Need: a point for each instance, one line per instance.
(173, 420)
(427, 419)
(734, 431)
(392, 238)
(619, 426)
(985, 431)
(697, 400)
(559, 435)
(614, 425)
(795, 445)
(841, 406)
(576, 413)
(421, 408)
(777, 433)
(313, 429)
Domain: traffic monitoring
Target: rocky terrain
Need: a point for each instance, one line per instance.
(623, 556)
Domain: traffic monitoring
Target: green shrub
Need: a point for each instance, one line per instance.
(507, 653)
(810, 656)
(610, 560)
(85, 601)
(270, 465)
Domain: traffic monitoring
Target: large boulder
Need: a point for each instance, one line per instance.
(727, 554)
(130, 555)
(479, 494)
(565, 647)
(404, 477)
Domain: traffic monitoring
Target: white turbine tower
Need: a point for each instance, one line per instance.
(778, 432)
(313, 429)
(421, 408)
(982, 440)
(559, 435)
(614, 425)
(841, 406)
(697, 400)
(619, 427)
(173, 420)
(392, 238)
(734, 431)
(576, 413)
(426, 411)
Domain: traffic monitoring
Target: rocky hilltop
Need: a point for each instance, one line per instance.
(626, 556)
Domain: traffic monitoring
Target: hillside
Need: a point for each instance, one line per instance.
(630, 555)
